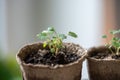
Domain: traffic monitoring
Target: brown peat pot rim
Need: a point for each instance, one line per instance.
(105, 60)
(97, 48)
(21, 62)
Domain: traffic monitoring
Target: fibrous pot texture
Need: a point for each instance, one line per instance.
(102, 69)
(71, 71)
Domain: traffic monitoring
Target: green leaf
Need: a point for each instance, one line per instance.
(115, 32)
(50, 32)
(104, 36)
(55, 41)
(46, 32)
(62, 36)
(44, 44)
(115, 38)
(115, 44)
(42, 36)
(50, 43)
(54, 37)
(52, 50)
(51, 29)
(59, 46)
(72, 34)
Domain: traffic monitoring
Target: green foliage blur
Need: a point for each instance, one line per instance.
(9, 69)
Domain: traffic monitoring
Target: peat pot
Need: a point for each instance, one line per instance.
(102, 69)
(71, 71)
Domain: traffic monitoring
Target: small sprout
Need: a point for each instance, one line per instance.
(62, 36)
(44, 44)
(41, 36)
(54, 40)
(72, 34)
(51, 29)
(115, 31)
(114, 42)
(104, 36)
(52, 50)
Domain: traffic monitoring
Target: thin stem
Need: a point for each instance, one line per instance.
(111, 50)
(118, 51)
(56, 51)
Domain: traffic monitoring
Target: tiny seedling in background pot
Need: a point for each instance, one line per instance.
(104, 61)
(54, 40)
(114, 43)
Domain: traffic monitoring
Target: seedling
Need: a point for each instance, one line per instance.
(54, 40)
(114, 42)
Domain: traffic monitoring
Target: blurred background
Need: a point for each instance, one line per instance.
(21, 20)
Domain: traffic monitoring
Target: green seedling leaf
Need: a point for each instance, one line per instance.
(53, 40)
(44, 44)
(52, 50)
(47, 32)
(59, 46)
(116, 39)
(104, 36)
(115, 32)
(72, 34)
(62, 36)
(114, 42)
(42, 36)
(51, 29)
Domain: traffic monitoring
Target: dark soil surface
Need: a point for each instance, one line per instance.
(106, 56)
(116, 57)
(100, 53)
(100, 56)
(47, 58)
